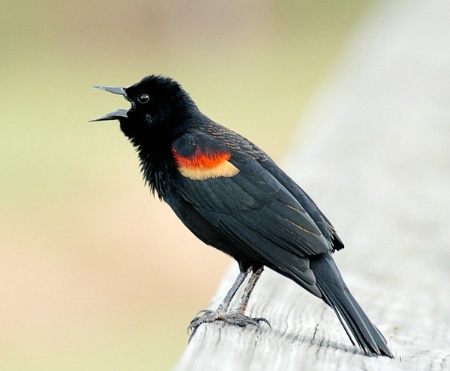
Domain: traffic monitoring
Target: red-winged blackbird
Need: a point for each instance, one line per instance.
(232, 196)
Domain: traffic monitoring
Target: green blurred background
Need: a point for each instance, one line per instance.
(95, 274)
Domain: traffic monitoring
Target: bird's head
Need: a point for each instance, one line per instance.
(158, 105)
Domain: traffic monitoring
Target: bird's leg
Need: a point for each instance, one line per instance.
(205, 316)
(230, 295)
(243, 302)
(234, 318)
(239, 316)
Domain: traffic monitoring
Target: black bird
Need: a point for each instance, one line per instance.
(232, 196)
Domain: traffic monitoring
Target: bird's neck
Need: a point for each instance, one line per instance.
(153, 168)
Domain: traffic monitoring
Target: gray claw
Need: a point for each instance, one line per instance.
(234, 318)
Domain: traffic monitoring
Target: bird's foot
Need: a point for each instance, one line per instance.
(237, 318)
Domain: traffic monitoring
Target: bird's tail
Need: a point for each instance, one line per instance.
(355, 322)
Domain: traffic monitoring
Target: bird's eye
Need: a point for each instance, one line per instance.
(143, 98)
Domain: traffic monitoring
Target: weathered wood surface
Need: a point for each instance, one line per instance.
(376, 158)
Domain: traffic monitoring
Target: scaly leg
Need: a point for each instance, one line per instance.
(237, 318)
(249, 289)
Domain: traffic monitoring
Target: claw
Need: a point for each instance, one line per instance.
(204, 311)
(234, 318)
(241, 320)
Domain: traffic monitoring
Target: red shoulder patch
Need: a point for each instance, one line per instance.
(201, 166)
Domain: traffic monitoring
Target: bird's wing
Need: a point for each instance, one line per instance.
(246, 204)
(311, 208)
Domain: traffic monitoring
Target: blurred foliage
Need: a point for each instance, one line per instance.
(82, 288)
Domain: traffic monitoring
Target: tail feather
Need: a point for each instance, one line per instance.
(355, 322)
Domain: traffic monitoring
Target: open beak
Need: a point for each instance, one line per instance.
(118, 114)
